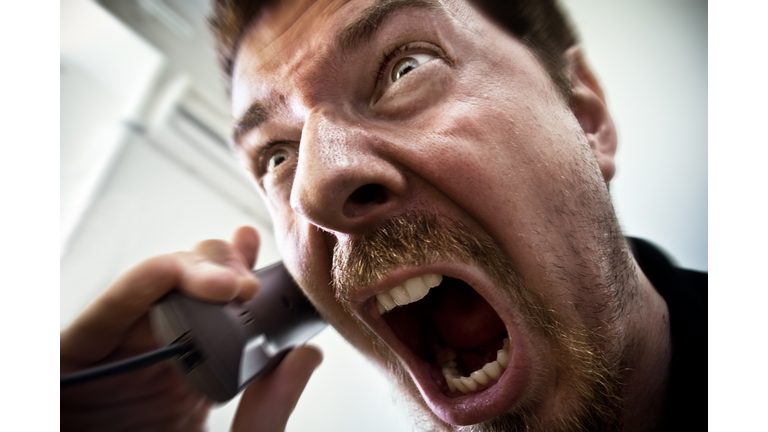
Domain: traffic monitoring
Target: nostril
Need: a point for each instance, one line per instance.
(364, 200)
(368, 194)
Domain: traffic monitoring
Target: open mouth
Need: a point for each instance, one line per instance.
(447, 308)
(449, 326)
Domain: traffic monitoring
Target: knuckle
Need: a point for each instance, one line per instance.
(215, 250)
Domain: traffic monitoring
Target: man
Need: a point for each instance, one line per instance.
(439, 190)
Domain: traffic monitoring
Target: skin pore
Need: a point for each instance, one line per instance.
(396, 139)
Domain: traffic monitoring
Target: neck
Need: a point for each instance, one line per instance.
(649, 358)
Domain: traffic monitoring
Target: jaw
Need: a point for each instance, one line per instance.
(466, 315)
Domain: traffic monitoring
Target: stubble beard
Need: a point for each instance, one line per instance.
(592, 376)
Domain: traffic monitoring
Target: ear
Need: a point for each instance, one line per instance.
(591, 111)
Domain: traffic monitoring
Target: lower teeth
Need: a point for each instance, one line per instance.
(490, 371)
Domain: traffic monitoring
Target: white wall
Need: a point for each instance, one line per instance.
(150, 205)
(651, 58)
(107, 73)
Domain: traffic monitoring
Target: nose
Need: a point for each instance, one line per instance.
(346, 180)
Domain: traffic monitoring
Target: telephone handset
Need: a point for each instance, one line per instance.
(235, 343)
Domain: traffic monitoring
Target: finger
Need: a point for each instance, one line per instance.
(268, 402)
(211, 257)
(100, 327)
(223, 253)
(216, 271)
(247, 241)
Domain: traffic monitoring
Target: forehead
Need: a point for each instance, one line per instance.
(292, 37)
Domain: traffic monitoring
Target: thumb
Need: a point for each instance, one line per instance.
(267, 403)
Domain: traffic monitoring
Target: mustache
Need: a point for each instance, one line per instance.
(411, 239)
(423, 238)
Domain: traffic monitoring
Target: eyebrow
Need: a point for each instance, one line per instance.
(256, 114)
(368, 22)
(349, 39)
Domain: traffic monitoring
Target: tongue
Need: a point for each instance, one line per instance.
(463, 318)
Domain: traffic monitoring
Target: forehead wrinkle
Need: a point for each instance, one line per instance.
(360, 31)
(319, 61)
(266, 35)
(365, 26)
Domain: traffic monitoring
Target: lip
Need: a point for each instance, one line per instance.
(466, 409)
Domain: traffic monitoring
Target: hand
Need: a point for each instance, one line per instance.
(115, 326)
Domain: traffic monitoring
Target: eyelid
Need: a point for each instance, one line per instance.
(261, 161)
(391, 57)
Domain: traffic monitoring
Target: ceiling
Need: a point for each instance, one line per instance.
(173, 26)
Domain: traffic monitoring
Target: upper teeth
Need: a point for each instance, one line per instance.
(412, 290)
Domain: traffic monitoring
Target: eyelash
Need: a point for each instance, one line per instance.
(388, 57)
(262, 161)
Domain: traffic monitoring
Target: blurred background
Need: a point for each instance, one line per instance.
(145, 167)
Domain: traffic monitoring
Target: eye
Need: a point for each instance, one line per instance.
(277, 158)
(407, 64)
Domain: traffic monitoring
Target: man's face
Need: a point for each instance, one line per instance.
(411, 139)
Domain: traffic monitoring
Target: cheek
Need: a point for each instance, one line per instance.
(306, 257)
(282, 218)
(472, 149)
(503, 161)
(519, 142)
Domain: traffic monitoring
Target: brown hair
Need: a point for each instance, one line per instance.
(539, 24)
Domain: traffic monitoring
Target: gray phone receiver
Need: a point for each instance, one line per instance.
(235, 343)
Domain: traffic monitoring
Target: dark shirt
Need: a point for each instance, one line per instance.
(685, 292)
